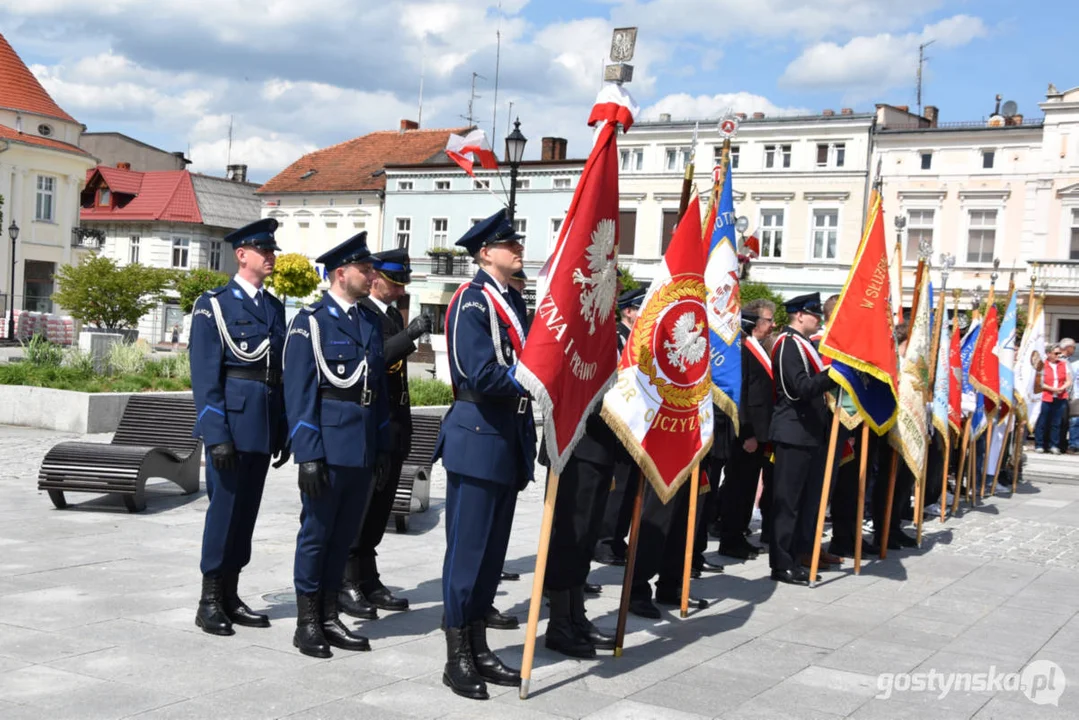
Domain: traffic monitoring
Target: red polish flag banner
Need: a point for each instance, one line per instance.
(661, 405)
(465, 150)
(955, 388)
(985, 367)
(571, 354)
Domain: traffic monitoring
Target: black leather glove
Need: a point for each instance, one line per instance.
(382, 471)
(282, 456)
(223, 456)
(313, 478)
(420, 325)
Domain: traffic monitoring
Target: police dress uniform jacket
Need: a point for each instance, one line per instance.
(758, 397)
(396, 347)
(488, 432)
(801, 414)
(336, 397)
(235, 350)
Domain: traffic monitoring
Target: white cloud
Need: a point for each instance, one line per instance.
(865, 66)
(681, 106)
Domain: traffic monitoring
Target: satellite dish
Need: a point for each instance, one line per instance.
(1009, 108)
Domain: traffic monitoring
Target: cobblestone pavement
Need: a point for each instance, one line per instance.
(97, 605)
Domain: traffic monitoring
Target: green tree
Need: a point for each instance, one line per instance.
(194, 283)
(628, 281)
(100, 292)
(756, 290)
(293, 276)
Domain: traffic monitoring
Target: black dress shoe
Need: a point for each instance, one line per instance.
(511, 576)
(841, 549)
(352, 602)
(237, 610)
(695, 573)
(383, 599)
(676, 601)
(605, 556)
(794, 576)
(739, 552)
(869, 548)
(709, 566)
(906, 540)
(592, 589)
(501, 621)
(642, 607)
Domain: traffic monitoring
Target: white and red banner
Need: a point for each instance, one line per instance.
(466, 150)
(571, 354)
(661, 405)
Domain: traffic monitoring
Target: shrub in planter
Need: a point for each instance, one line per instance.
(428, 391)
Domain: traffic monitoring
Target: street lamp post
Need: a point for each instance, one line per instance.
(515, 150)
(13, 232)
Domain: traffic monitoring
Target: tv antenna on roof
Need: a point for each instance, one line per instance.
(228, 152)
(471, 118)
(921, 61)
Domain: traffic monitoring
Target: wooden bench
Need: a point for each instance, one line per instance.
(152, 440)
(416, 469)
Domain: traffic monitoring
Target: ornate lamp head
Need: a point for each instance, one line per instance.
(947, 262)
(995, 274)
(976, 297)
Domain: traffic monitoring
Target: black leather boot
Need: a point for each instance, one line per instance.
(501, 621)
(237, 609)
(460, 673)
(350, 598)
(562, 635)
(489, 666)
(335, 631)
(211, 616)
(584, 626)
(309, 638)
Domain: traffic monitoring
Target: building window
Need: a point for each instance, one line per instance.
(404, 232)
(670, 221)
(520, 226)
(104, 197)
(442, 185)
(771, 230)
(676, 159)
(181, 247)
(632, 160)
(988, 156)
(1074, 254)
(481, 184)
(927, 161)
(735, 154)
(919, 229)
(46, 199)
(825, 234)
(822, 154)
(556, 227)
(982, 236)
(627, 232)
(331, 226)
(777, 156)
(333, 201)
(563, 183)
(524, 183)
(831, 154)
(359, 225)
(840, 154)
(404, 185)
(215, 255)
(44, 130)
(440, 232)
(133, 250)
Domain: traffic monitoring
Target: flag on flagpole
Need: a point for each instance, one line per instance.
(1031, 353)
(571, 354)
(466, 150)
(896, 279)
(859, 337)
(661, 405)
(984, 366)
(942, 382)
(910, 435)
(724, 307)
(1006, 355)
(972, 399)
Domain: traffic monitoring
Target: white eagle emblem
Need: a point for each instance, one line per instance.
(689, 344)
(598, 288)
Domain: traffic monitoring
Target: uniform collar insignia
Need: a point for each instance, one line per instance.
(237, 294)
(331, 310)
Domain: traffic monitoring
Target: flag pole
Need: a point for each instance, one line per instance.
(631, 563)
(691, 533)
(829, 465)
(717, 189)
(862, 463)
(1021, 427)
(947, 424)
(960, 476)
(687, 178)
(537, 582)
(934, 344)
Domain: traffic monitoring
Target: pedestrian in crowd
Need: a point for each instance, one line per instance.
(175, 338)
(1056, 382)
(237, 340)
(338, 415)
(1070, 441)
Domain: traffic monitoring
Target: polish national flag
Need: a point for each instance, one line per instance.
(465, 150)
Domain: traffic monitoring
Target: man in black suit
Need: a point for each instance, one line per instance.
(362, 591)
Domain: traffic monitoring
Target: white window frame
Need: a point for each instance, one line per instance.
(524, 183)
(133, 248)
(631, 160)
(45, 199)
(520, 226)
(735, 156)
(442, 185)
(1073, 229)
(762, 228)
(827, 154)
(213, 255)
(405, 185)
(181, 245)
(935, 227)
(812, 234)
(834, 154)
(406, 233)
(553, 230)
(567, 183)
(782, 156)
(921, 154)
(481, 184)
(998, 231)
(675, 158)
(982, 152)
(440, 238)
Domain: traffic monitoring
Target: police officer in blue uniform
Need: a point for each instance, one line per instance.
(338, 419)
(488, 446)
(237, 335)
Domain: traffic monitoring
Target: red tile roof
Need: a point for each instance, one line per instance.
(164, 195)
(355, 164)
(20, 90)
(7, 133)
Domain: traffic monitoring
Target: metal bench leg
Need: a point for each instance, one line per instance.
(401, 523)
(58, 499)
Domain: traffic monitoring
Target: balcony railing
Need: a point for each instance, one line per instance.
(1061, 276)
(451, 265)
(87, 238)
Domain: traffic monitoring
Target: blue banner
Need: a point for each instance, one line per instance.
(724, 307)
(973, 403)
(1006, 353)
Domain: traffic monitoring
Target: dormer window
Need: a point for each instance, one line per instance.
(104, 197)
(44, 130)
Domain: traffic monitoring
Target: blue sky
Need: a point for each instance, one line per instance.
(297, 76)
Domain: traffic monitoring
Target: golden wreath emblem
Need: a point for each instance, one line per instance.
(680, 297)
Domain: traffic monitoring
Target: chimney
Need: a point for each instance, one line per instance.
(828, 112)
(1016, 119)
(846, 111)
(123, 166)
(932, 112)
(758, 116)
(741, 116)
(904, 108)
(407, 125)
(553, 148)
(664, 117)
(237, 173)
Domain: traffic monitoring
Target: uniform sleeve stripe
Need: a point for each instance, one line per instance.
(210, 408)
(300, 425)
